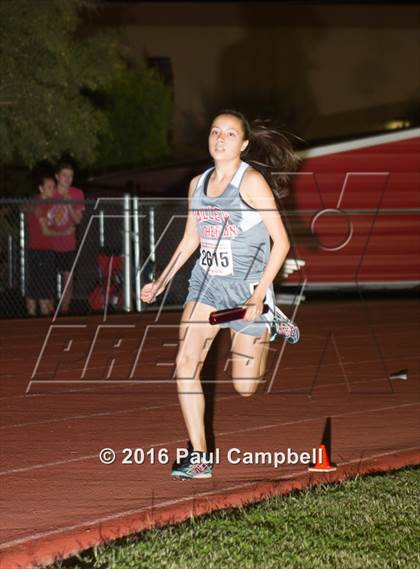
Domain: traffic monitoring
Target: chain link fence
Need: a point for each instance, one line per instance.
(122, 243)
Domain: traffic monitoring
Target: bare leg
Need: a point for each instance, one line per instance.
(264, 356)
(196, 336)
(249, 361)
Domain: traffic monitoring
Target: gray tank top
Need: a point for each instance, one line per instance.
(234, 240)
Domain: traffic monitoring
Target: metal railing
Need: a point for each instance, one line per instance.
(123, 243)
(117, 251)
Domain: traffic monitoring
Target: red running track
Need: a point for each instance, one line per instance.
(89, 390)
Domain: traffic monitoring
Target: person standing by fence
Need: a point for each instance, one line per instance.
(66, 214)
(40, 288)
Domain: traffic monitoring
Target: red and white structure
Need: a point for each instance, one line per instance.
(354, 213)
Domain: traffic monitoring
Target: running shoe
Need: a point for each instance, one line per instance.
(194, 465)
(282, 326)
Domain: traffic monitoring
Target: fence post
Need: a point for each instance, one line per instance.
(136, 235)
(59, 291)
(127, 254)
(22, 252)
(10, 259)
(101, 229)
(152, 240)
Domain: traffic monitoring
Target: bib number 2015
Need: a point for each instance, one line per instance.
(216, 257)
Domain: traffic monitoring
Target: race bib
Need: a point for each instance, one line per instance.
(216, 257)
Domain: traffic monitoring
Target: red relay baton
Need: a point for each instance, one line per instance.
(228, 314)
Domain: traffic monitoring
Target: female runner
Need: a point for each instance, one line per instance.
(232, 216)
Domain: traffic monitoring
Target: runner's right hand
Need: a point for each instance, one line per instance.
(150, 291)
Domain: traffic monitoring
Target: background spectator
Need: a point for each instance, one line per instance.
(66, 214)
(41, 257)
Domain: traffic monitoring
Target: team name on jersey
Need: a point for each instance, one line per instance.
(228, 230)
(218, 215)
(211, 213)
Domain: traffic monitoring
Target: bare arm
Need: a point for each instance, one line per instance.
(186, 247)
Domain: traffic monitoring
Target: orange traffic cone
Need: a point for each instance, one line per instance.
(323, 463)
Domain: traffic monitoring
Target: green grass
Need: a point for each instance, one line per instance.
(364, 523)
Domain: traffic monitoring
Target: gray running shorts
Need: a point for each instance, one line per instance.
(225, 292)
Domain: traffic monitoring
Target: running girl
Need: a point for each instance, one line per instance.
(232, 217)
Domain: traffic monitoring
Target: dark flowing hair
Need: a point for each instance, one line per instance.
(270, 151)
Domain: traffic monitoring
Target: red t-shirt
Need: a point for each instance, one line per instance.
(36, 238)
(60, 219)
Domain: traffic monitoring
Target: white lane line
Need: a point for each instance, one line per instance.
(134, 383)
(88, 416)
(284, 391)
(39, 535)
(273, 426)
(101, 414)
(221, 434)
(12, 375)
(49, 393)
(280, 392)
